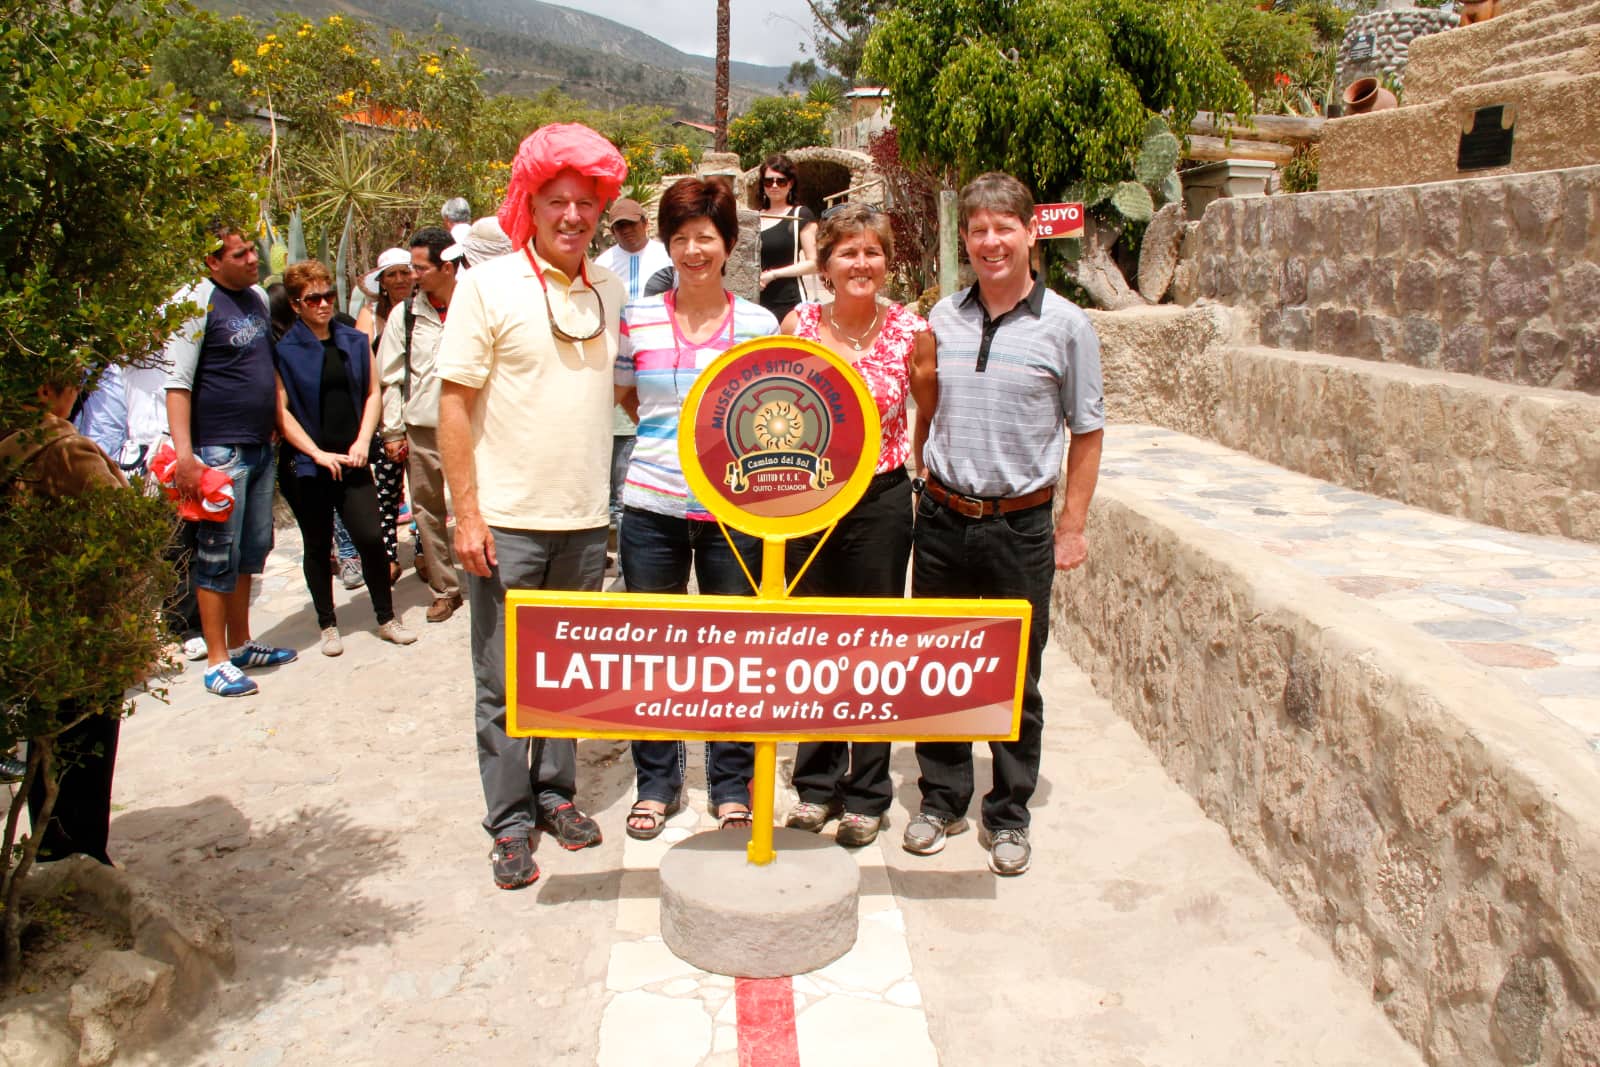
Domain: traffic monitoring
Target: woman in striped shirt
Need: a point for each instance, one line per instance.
(667, 340)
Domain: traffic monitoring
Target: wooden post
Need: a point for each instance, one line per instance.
(949, 255)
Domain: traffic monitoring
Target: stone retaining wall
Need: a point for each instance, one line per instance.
(1509, 456)
(1390, 34)
(1408, 805)
(1498, 277)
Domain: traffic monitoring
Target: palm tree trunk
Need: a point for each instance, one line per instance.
(722, 76)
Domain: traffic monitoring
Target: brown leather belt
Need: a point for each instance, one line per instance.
(974, 507)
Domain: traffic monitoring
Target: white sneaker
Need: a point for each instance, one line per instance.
(350, 575)
(332, 643)
(194, 648)
(396, 634)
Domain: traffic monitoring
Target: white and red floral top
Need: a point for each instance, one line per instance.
(886, 366)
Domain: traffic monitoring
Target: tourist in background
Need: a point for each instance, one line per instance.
(394, 283)
(667, 341)
(867, 552)
(328, 414)
(788, 237)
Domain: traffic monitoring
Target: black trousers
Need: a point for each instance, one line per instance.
(355, 498)
(86, 757)
(1006, 556)
(865, 556)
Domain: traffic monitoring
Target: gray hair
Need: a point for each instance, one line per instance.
(997, 192)
(456, 209)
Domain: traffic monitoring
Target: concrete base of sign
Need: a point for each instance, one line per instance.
(727, 916)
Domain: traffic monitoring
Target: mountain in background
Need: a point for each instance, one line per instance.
(525, 47)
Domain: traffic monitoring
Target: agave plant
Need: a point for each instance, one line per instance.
(346, 184)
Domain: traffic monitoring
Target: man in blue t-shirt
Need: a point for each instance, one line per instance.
(222, 413)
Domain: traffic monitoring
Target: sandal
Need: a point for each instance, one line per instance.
(737, 819)
(658, 820)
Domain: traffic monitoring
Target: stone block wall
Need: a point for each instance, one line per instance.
(1407, 805)
(1391, 34)
(1498, 277)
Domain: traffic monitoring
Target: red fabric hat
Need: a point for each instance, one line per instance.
(545, 153)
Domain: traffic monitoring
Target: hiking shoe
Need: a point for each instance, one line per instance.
(514, 866)
(926, 832)
(812, 817)
(332, 643)
(396, 634)
(571, 828)
(1009, 851)
(226, 680)
(254, 654)
(350, 575)
(443, 607)
(857, 830)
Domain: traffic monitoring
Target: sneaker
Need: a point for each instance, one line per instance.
(396, 634)
(857, 830)
(254, 654)
(812, 817)
(1009, 851)
(226, 680)
(925, 834)
(514, 866)
(571, 828)
(12, 769)
(350, 575)
(332, 643)
(194, 648)
(443, 607)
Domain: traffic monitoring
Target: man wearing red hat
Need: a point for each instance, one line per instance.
(525, 367)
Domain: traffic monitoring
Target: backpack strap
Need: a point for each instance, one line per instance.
(411, 329)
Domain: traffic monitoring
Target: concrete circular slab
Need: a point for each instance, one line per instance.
(728, 916)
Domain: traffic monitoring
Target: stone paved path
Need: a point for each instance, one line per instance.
(1525, 606)
(334, 819)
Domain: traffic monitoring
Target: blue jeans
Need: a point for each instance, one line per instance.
(658, 552)
(240, 544)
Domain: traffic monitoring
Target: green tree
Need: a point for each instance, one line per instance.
(842, 30)
(1262, 45)
(777, 124)
(111, 186)
(1060, 93)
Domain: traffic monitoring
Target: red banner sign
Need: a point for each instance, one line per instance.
(734, 668)
(1058, 220)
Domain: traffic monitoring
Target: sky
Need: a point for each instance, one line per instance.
(762, 31)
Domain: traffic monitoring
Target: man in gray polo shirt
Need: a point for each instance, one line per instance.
(1017, 363)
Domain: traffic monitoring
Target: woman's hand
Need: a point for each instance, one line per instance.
(768, 277)
(396, 449)
(357, 456)
(334, 464)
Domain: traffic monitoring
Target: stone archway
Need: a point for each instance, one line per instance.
(823, 173)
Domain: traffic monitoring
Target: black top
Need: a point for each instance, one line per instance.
(235, 399)
(780, 245)
(340, 421)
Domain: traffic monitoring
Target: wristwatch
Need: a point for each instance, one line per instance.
(917, 486)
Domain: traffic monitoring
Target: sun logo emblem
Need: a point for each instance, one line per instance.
(779, 425)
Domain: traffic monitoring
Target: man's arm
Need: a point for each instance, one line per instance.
(925, 394)
(186, 472)
(474, 541)
(1083, 472)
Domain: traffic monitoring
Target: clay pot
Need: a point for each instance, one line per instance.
(1477, 10)
(1365, 94)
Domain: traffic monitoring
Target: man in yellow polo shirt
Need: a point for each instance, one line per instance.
(525, 367)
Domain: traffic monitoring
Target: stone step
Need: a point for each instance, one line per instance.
(1574, 62)
(1442, 63)
(1538, 42)
(1395, 715)
(1516, 457)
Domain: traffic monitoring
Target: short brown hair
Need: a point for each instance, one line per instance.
(849, 220)
(699, 198)
(299, 276)
(998, 192)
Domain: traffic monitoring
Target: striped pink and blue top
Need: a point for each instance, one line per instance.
(662, 364)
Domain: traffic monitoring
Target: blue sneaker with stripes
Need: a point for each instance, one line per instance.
(254, 654)
(226, 680)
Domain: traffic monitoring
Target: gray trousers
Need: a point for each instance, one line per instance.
(517, 772)
(426, 473)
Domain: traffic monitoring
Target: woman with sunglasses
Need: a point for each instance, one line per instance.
(867, 552)
(394, 283)
(328, 410)
(667, 340)
(788, 237)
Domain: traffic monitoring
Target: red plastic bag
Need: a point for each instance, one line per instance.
(216, 489)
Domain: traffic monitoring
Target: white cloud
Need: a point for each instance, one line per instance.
(761, 31)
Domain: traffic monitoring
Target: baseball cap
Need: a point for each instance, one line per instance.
(626, 210)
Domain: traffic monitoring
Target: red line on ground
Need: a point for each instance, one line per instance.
(766, 1022)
